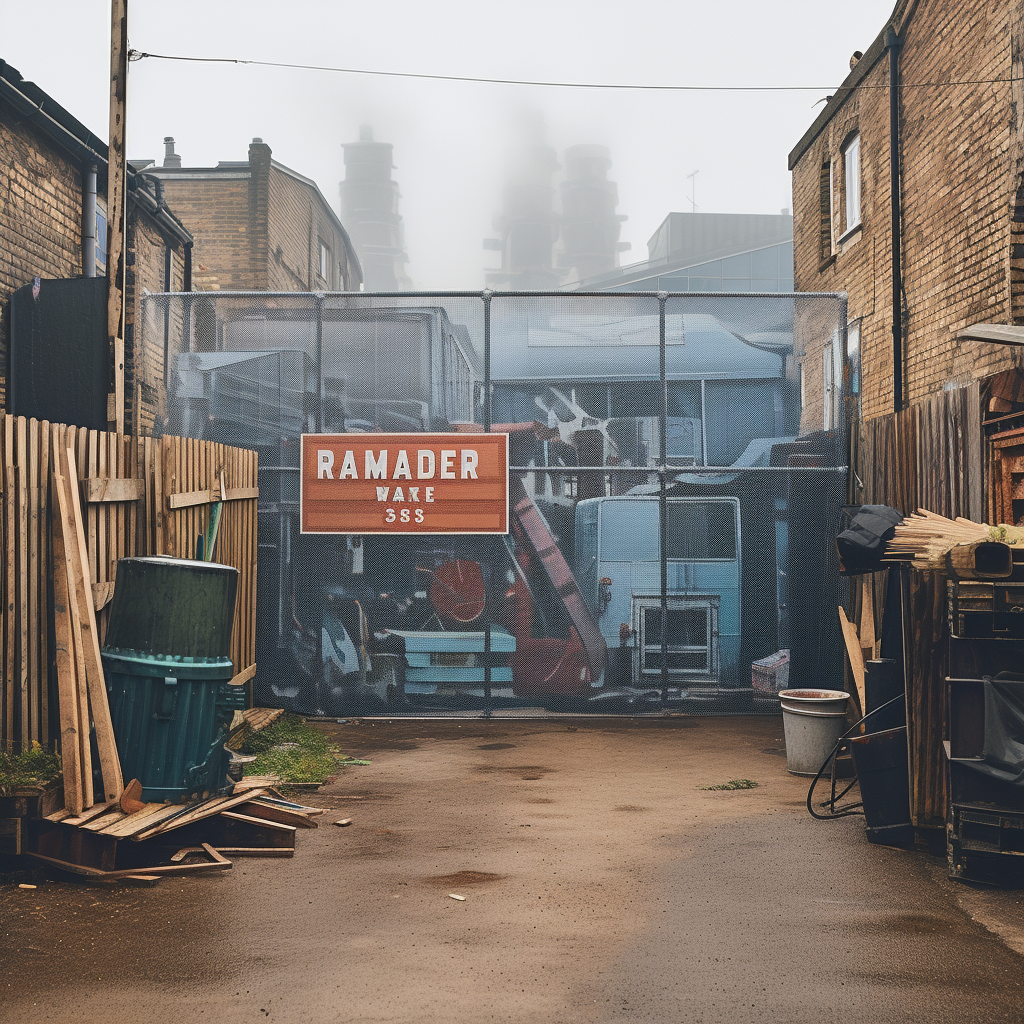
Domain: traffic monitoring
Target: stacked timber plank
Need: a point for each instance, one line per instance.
(108, 843)
(82, 694)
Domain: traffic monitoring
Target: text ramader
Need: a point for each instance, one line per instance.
(376, 467)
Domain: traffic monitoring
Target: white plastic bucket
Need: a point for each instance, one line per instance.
(813, 721)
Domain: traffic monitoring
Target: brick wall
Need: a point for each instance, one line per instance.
(40, 218)
(958, 188)
(961, 170)
(145, 370)
(298, 223)
(257, 228)
(216, 212)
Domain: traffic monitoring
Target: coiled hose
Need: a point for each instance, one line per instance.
(848, 809)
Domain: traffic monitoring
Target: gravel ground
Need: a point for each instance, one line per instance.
(600, 882)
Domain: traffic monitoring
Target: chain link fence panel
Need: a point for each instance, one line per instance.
(677, 473)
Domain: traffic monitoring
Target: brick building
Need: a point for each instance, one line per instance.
(933, 104)
(53, 176)
(258, 225)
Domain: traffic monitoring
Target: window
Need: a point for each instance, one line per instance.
(831, 382)
(101, 241)
(699, 530)
(853, 360)
(325, 263)
(851, 181)
(853, 355)
(629, 531)
(691, 636)
(825, 208)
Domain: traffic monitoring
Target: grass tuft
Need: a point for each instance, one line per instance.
(733, 784)
(34, 766)
(295, 752)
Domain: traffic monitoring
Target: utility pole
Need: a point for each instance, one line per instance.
(116, 180)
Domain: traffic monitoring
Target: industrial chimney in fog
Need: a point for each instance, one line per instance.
(590, 226)
(528, 223)
(369, 211)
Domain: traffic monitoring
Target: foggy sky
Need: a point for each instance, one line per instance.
(449, 138)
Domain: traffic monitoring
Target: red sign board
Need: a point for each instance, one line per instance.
(404, 483)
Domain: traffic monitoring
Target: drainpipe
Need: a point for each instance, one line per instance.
(894, 44)
(89, 221)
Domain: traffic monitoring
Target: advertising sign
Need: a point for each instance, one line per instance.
(404, 483)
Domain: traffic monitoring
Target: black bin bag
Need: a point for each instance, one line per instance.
(862, 544)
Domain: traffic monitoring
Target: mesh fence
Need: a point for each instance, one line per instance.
(676, 485)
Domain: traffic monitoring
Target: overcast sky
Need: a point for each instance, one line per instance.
(449, 137)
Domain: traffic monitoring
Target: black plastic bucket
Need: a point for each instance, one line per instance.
(880, 759)
(173, 607)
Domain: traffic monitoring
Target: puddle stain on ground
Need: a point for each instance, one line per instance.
(462, 878)
(496, 746)
(526, 772)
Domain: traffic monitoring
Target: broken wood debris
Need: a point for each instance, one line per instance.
(252, 720)
(106, 843)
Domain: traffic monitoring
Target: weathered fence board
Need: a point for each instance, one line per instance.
(125, 485)
(928, 456)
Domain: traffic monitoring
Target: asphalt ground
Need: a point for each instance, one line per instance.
(601, 884)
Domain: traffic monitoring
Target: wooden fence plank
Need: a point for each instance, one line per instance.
(70, 726)
(21, 481)
(46, 559)
(63, 508)
(34, 578)
(106, 745)
(108, 489)
(8, 584)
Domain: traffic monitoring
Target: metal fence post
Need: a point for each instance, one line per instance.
(663, 487)
(486, 296)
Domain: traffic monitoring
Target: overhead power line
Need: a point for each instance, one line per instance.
(136, 55)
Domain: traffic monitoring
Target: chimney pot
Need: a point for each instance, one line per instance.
(171, 159)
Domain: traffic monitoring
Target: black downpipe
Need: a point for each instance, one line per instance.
(894, 44)
(663, 492)
(167, 312)
(187, 285)
(318, 303)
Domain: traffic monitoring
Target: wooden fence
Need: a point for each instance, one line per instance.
(140, 496)
(932, 456)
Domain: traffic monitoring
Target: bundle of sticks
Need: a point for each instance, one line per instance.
(925, 538)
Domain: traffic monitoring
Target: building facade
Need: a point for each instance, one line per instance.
(933, 106)
(53, 224)
(258, 225)
(709, 252)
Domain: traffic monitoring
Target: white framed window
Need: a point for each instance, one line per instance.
(831, 382)
(101, 240)
(325, 263)
(853, 356)
(826, 244)
(851, 181)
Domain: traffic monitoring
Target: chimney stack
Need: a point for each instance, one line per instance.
(171, 159)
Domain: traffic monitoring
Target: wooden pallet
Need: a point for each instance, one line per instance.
(108, 843)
